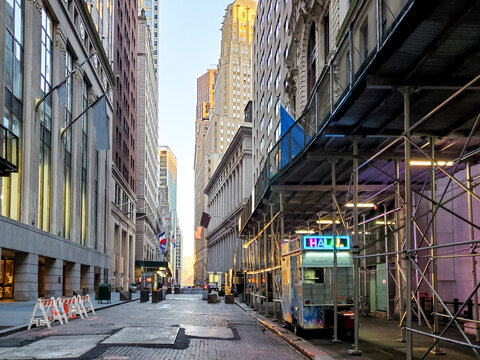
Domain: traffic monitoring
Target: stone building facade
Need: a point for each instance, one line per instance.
(54, 221)
(270, 47)
(228, 191)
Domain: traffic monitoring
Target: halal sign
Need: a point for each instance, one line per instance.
(325, 242)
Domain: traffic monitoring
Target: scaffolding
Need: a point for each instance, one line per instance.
(389, 149)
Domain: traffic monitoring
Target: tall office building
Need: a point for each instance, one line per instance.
(153, 18)
(233, 90)
(270, 47)
(124, 142)
(205, 104)
(147, 147)
(167, 199)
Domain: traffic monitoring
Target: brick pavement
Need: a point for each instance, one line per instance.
(209, 324)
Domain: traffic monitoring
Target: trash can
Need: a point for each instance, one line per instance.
(104, 293)
(144, 295)
(156, 297)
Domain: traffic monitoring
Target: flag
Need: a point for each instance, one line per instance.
(172, 240)
(162, 241)
(166, 220)
(198, 232)
(100, 121)
(62, 94)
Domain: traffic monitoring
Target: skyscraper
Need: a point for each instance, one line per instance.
(205, 105)
(124, 141)
(147, 147)
(233, 89)
(153, 17)
(167, 199)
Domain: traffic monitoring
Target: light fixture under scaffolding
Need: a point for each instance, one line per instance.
(361, 205)
(308, 232)
(429, 163)
(327, 222)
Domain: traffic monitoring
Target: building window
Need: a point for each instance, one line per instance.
(278, 133)
(45, 110)
(262, 143)
(269, 127)
(12, 112)
(83, 194)
(364, 40)
(311, 59)
(67, 146)
(326, 36)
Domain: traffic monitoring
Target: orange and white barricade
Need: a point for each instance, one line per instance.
(73, 307)
(87, 304)
(63, 307)
(49, 313)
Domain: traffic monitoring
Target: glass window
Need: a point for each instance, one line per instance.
(10, 191)
(67, 144)
(45, 111)
(313, 276)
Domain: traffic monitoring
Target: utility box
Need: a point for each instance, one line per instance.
(104, 293)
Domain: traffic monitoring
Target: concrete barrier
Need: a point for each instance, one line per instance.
(213, 298)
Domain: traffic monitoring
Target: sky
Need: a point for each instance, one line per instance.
(189, 45)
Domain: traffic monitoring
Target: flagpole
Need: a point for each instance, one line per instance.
(38, 102)
(64, 130)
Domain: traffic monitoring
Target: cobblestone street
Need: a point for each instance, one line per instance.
(181, 327)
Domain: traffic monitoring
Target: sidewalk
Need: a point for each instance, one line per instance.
(15, 315)
(378, 340)
(182, 327)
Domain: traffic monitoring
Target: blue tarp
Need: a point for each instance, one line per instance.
(297, 134)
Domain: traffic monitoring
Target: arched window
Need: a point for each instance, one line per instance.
(311, 58)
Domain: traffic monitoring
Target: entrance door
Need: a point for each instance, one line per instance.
(381, 288)
(6, 278)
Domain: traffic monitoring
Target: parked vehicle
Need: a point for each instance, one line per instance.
(308, 285)
(214, 281)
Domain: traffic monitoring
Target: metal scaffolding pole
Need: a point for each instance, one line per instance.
(335, 262)
(474, 259)
(398, 247)
(408, 224)
(433, 242)
(387, 272)
(356, 264)
(265, 265)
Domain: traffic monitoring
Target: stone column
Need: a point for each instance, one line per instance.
(53, 277)
(72, 278)
(26, 277)
(87, 277)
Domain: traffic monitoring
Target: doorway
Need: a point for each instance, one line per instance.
(7, 268)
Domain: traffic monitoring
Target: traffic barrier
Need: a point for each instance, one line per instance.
(85, 300)
(49, 313)
(61, 310)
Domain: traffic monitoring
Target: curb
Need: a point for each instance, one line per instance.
(305, 348)
(15, 329)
